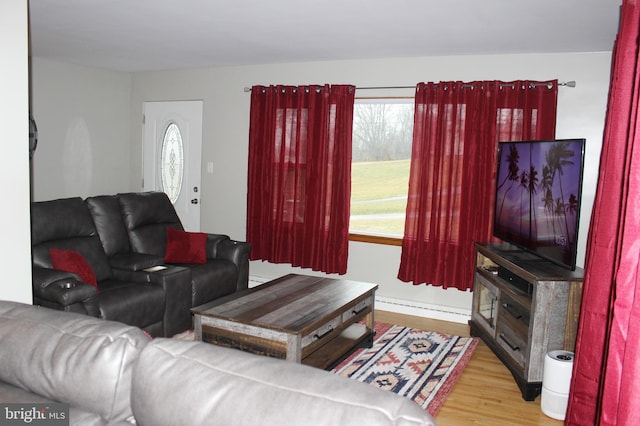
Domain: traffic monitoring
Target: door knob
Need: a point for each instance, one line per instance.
(194, 201)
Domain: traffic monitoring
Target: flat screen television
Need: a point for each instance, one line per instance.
(537, 197)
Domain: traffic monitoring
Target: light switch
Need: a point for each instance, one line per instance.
(209, 166)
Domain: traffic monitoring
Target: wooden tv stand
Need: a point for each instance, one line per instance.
(523, 307)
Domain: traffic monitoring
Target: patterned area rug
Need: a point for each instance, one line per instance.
(417, 364)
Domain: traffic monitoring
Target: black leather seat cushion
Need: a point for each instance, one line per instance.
(212, 280)
(138, 304)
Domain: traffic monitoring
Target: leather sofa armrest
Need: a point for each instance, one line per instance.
(176, 283)
(213, 242)
(237, 252)
(64, 291)
(135, 261)
(144, 276)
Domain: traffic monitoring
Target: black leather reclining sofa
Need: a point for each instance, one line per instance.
(123, 239)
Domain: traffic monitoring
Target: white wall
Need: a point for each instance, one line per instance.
(15, 246)
(83, 117)
(581, 112)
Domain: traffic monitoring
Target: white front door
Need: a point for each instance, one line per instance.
(172, 155)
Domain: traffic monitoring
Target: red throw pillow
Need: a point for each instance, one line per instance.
(185, 247)
(71, 261)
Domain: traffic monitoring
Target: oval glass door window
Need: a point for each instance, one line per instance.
(172, 162)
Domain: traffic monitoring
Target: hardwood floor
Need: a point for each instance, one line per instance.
(486, 393)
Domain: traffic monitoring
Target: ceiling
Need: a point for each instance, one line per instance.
(149, 35)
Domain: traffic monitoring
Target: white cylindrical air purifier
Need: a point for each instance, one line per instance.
(556, 380)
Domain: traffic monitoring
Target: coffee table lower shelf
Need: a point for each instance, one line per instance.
(331, 354)
(327, 356)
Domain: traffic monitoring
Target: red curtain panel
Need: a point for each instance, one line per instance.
(605, 387)
(299, 179)
(451, 183)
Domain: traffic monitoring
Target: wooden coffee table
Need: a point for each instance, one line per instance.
(313, 320)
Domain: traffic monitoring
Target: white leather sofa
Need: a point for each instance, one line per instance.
(111, 373)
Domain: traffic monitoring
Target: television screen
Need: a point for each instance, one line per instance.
(538, 192)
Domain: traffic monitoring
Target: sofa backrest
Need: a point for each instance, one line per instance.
(70, 358)
(105, 211)
(195, 383)
(146, 216)
(66, 224)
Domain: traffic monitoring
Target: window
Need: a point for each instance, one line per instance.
(382, 137)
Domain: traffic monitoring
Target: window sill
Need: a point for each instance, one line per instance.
(376, 239)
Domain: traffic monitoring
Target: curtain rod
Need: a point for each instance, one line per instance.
(571, 83)
(564, 83)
